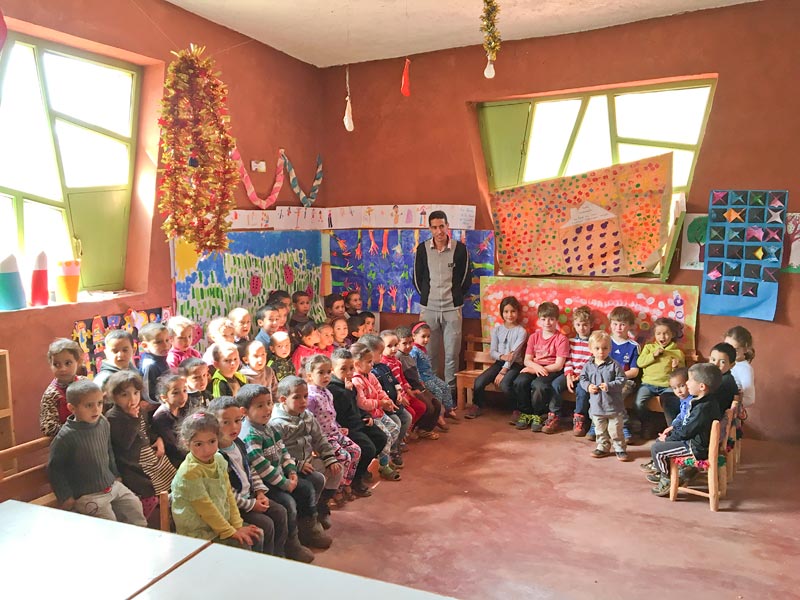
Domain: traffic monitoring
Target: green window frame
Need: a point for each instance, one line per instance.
(95, 216)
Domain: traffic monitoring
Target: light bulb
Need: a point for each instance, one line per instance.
(488, 72)
(348, 117)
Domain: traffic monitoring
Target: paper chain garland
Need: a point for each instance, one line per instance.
(307, 200)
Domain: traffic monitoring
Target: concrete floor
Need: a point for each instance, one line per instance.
(491, 512)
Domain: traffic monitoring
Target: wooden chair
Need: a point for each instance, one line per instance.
(28, 483)
(729, 441)
(717, 477)
(164, 513)
(477, 361)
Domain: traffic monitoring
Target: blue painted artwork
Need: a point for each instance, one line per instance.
(380, 264)
(744, 246)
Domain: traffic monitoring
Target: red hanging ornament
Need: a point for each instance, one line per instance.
(405, 82)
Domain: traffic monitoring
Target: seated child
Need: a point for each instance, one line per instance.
(369, 321)
(421, 334)
(227, 379)
(325, 344)
(142, 470)
(307, 445)
(118, 354)
(166, 419)
(340, 333)
(603, 378)
(301, 303)
(402, 414)
(280, 297)
(242, 322)
(268, 319)
(153, 350)
(657, 360)
(579, 354)
(724, 356)
(371, 398)
(320, 404)
(305, 339)
(334, 306)
(217, 331)
(693, 438)
(64, 357)
(269, 458)
(545, 356)
(181, 332)
(358, 424)
(203, 503)
(255, 368)
(743, 373)
(355, 328)
(408, 364)
(507, 337)
(195, 370)
(678, 412)
(352, 302)
(250, 491)
(625, 351)
(280, 350)
(81, 467)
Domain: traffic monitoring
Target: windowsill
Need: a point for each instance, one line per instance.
(85, 298)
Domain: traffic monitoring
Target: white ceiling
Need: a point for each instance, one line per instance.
(335, 32)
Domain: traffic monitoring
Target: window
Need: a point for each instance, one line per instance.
(67, 140)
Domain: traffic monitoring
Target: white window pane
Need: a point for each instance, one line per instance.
(90, 158)
(668, 116)
(552, 126)
(592, 149)
(8, 227)
(27, 157)
(89, 91)
(45, 230)
(681, 160)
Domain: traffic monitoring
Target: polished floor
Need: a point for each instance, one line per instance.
(491, 512)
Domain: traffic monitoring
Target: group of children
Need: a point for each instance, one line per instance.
(603, 368)
(258, 438)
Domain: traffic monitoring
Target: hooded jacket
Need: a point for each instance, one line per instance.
(344, 401)
(301, 435)
(696, 428)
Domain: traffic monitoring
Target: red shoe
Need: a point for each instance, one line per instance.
(551, 425)
(578, 425)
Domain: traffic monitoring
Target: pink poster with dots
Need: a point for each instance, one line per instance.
(649, 301)
(604, 223)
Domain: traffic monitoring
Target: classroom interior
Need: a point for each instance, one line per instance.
(487, 512)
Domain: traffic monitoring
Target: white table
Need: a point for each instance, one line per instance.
(45, 552)
(223, 572)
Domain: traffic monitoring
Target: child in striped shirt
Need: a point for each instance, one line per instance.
(579, 355)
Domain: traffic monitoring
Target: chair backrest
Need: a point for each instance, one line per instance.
(27, 481)
(713, 445)
(729, 421)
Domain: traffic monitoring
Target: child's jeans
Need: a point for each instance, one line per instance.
(489, 375)
(608, 429)
(302, 501)
(332, 481)
(273, 524)
(645, 392)
(401, 418)
(581, 395)
(534, 395)
(117, 503)
(257, 547)
(662, 452)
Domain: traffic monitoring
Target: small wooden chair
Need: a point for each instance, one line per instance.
(729, 441)
(164, 513)
(717, 477)
(477, 361)
(29, 483)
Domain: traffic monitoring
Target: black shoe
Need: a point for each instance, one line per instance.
(649, 467)
(623, 456)
(361, 490)
(662, 489)
(654, 477)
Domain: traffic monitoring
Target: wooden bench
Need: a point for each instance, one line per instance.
(27, 481)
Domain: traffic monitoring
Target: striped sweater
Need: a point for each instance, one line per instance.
(267, 454)
(579, 355)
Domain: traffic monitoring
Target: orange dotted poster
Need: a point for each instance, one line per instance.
(603, 223)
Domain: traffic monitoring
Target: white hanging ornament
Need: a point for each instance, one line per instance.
(488, 72)
(348, 109)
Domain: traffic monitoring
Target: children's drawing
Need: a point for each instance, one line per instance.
(607, 222)
(649, 301)
(380, 264)
(791, 244)
(744, 251)
(693, 242)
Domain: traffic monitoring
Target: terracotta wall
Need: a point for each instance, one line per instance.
(269, 106)
(422, 148)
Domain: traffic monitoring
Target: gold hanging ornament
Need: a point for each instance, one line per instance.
(491, 36)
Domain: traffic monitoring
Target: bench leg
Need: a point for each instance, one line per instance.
(461, 398)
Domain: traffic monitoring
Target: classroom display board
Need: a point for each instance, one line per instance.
(256, 263)
(649, 301)
(744, 249)
(90, 333)
(608, 222)
(380, 264)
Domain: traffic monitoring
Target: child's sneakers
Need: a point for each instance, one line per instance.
(578, 425)
(552, 424)
(537, 423)
(649, 467)
(523, 421)
(623, 456)
(590, 435)
(514, 417)
(396, 460)
(389, 473)
(662, 488)
(473, 412)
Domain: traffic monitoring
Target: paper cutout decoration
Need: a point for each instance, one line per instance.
(256, 263)
(380, 264)
(752, 250)
(693, 241)
(248, 183)
(791, 244)
(649, 301)
(607, 222)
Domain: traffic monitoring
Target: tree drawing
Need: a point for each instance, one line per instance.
(696, 234)
(791, 236)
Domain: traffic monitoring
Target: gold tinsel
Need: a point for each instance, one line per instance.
(491, 36)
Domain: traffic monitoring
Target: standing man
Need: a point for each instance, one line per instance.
(442, 276)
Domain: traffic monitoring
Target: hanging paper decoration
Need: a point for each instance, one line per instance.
(199, 175)
(348, 109)
(405, 82)
(305, 199)
(491, 36)
(248, 183)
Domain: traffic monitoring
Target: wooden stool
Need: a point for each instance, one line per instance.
(717, 477)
